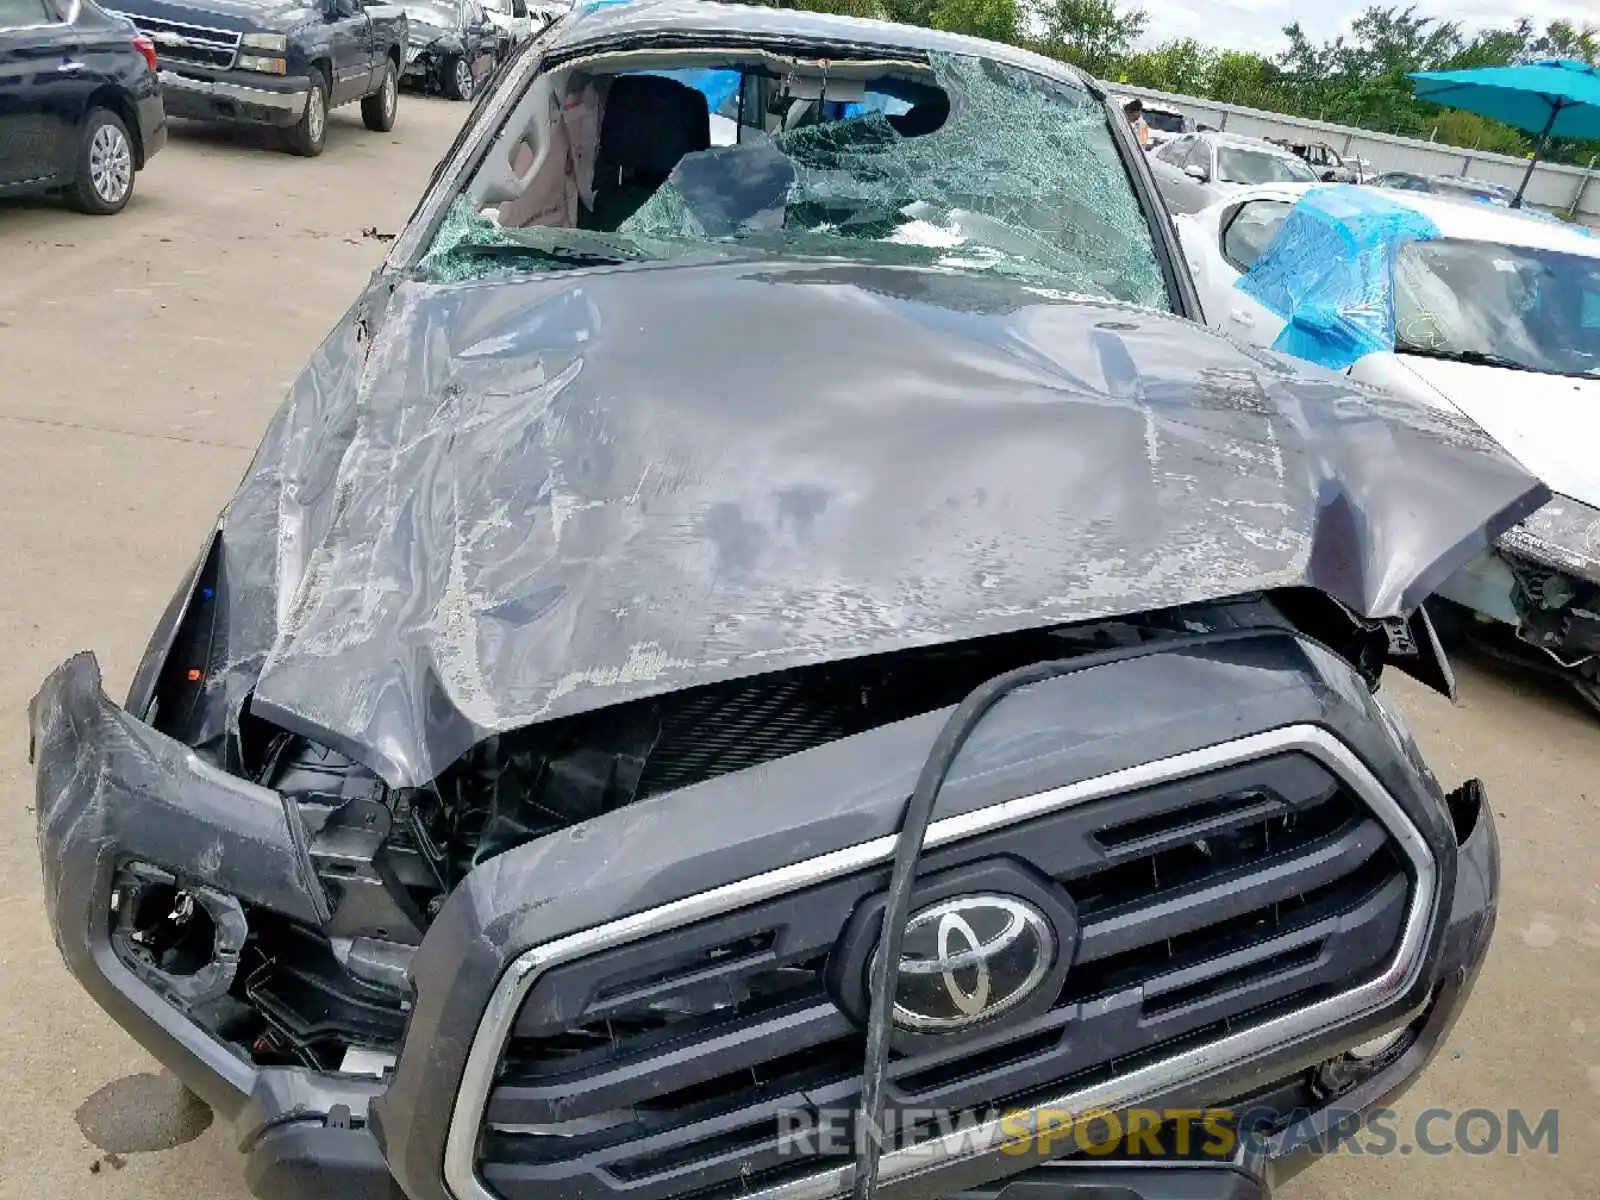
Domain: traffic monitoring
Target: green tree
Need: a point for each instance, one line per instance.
(1240, 77)
(1182, 66)
(997, 20)
(1563, 39)
(1093, 34)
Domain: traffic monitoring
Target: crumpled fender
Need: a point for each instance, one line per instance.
(109, 786)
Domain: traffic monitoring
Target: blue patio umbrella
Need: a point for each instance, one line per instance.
(1555, 97)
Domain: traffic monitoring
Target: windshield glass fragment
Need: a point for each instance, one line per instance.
(1517, 305)
(964, 164)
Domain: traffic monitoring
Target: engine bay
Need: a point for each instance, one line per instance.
(388, 858)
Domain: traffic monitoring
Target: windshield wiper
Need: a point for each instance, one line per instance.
(561, 255)
(1475, 358)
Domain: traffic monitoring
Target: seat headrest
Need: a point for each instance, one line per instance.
(650, 123)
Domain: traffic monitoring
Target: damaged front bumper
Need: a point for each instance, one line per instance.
(117, 799)
(1542, 579)
(235, 97)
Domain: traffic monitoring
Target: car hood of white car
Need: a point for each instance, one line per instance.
(1550, 423)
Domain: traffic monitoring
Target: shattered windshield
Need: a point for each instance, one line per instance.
(967, 165)
(1513, 306)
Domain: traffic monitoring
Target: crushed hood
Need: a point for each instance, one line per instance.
(519, 500)
(1551, 423)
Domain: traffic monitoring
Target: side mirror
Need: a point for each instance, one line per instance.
(1329, 174)
(1197, 173)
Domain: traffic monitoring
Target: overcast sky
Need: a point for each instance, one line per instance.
(1256, 24)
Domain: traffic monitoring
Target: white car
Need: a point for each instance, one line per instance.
(1198, 169)
(1491, 311)
(521, 19)
(1164, 123)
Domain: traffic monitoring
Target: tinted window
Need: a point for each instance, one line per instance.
(1199, 155)
(1240, 164)
(17, 14)
(1174, 151)
(1166, 122)
(1252, 230)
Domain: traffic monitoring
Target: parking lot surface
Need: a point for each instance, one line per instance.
(140, 358)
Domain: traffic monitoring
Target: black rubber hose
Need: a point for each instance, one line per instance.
(902, 878)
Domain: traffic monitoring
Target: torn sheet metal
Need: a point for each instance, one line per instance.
(1329, 274)
(546, 495)
(109, 787)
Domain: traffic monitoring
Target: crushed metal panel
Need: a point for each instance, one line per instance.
(545, 496)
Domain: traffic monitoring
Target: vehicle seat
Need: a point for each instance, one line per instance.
(650, 122)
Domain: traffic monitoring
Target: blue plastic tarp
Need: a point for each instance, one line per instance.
(1329, 273)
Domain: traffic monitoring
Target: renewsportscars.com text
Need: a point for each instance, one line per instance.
(1219, 1133)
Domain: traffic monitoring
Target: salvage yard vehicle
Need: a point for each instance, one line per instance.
(278, 63)
(513, 800)
(452, 45)
(1164, 123)
(90, 124)
(1200, 169)
(517, 19)
(1459, 187)
(1476, 308)
(1328, 163)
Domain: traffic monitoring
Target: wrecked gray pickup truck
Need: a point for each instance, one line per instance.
(511, 800)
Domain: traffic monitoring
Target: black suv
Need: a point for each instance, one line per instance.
(276, 62)
(768, 653)
(80, 108)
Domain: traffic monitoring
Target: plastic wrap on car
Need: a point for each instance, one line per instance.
(1328, 273)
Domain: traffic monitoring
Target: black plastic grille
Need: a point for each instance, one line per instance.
(666, 1067)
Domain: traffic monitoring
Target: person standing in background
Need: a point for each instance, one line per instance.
(1134, 111)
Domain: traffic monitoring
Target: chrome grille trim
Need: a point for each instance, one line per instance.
(208, 46)
(460, 1161)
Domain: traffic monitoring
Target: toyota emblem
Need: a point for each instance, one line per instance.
(969, 959)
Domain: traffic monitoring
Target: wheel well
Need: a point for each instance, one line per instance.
(110, 98)
(394, 55)
(326, 67)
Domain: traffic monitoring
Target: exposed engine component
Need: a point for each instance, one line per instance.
(387, 859)
(1559, 614)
